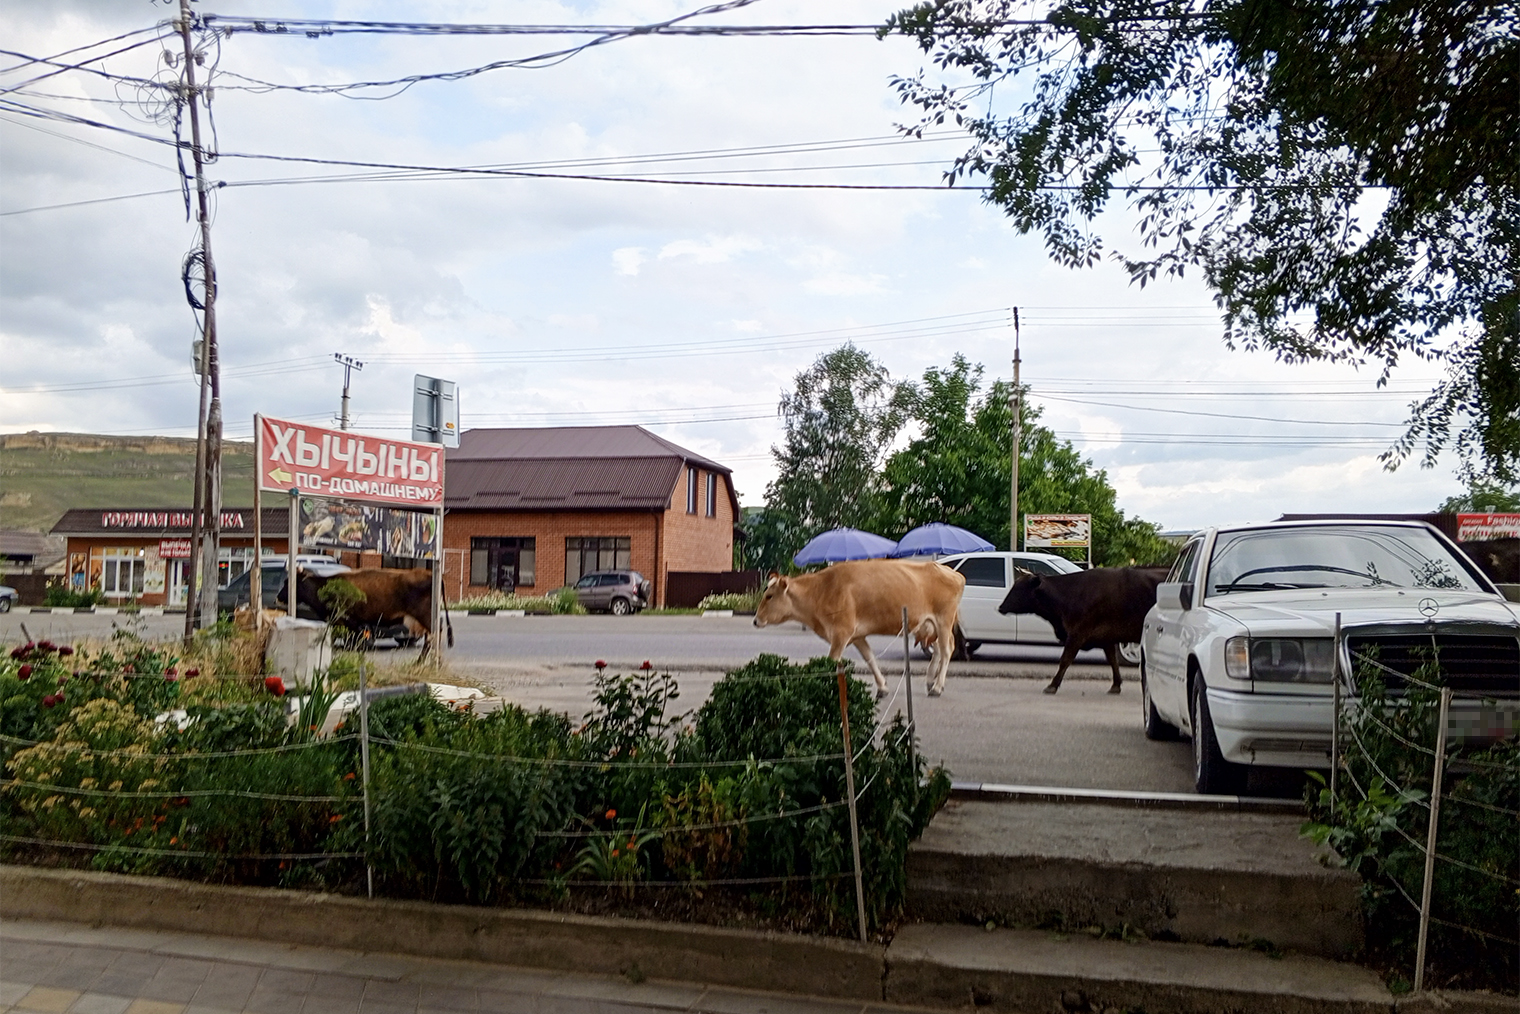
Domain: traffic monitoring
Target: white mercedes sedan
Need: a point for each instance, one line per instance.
(1238, 652)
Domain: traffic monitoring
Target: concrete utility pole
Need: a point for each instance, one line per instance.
(349, 364)
(1018, 406)
(206, 524)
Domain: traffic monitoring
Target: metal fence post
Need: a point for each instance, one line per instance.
(1430, 838)
(1335, 725)
(369, 871)
(908, 691)
(849, 784)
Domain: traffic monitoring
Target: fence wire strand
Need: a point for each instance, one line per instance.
(567, 762)
(88, 751)
(177, 794)
(180, 853)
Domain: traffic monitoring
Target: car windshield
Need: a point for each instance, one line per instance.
(1334, 556)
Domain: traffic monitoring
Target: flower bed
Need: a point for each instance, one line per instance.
(733, 812)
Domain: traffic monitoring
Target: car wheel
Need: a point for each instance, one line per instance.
(5, 605)
(621, 607)
(1212, 774)
(1156, 727)
(1129, 653)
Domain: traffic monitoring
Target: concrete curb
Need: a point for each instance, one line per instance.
(993, 792)
(818, 966)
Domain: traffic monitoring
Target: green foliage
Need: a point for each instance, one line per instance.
(771, 538)
(1351, 165)
(63, 597)
(841, 417)
(1378, 826)
(499, 808)
(958, 471)
(737, 601)
(1482, 495)
(339, 597)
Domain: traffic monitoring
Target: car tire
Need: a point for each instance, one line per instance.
(621, 607)
(1156, 727)
(5, 605)
(1212, 774)
(1129, 653)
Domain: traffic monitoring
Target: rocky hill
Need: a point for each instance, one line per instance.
(44, 474)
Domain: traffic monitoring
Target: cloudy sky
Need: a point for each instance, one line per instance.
(556, 301)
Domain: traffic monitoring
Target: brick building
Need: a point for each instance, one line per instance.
(534, 509)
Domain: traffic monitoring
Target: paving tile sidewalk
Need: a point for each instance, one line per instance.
(68, 968)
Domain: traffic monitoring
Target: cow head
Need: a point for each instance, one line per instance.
(775, 603)
(307, 586)
(1022, 597)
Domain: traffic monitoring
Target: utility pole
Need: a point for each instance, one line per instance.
(349, 364)
(1018, 407)
(206, 523)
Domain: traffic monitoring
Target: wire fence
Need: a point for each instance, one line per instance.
(1397, 754)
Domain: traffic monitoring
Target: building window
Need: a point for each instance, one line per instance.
(121, 571)
(584, 554)
(502, 563)
(691, 491)
(712, 494)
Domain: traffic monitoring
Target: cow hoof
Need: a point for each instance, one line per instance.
(1113, 690)
(1052, 689)
(935, 691)
(881, 692)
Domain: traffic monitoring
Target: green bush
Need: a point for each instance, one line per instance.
(512, 806)
(745, 602)
(63, 597)
(1380, 822)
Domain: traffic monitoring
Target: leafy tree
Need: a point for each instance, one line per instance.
(840, 420)
(958, 471)
(1481, 496)
(1343, 173)
(771, 539)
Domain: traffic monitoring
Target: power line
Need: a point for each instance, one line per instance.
(1211, 415)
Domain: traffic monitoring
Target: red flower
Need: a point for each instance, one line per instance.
(275, 685)
(49, 701)
(600, 664)
(192, 672)
(170, 676)
(19, 651)
(611, 814)
(62, 680)
(170, 671)
(646, 666)
(25, 672)
(65, 651)
(47, 646)
(58, 697)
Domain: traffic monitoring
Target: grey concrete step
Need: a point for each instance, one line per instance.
(1032, 970)
(1204, 875)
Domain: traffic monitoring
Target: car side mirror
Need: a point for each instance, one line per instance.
(1176, 596)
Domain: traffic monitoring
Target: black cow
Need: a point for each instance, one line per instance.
(1089, 609)
(1498, 558)
(390, 597)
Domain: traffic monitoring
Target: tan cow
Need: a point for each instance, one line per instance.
(845, 603)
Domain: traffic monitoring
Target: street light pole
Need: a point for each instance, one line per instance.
(349, 364)
(206, 523)
(1018, 407)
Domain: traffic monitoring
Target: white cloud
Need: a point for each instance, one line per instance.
(627, 260)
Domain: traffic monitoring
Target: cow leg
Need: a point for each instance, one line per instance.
(939, 666)
(1113, 659)
(862, 646)
(1067, 654)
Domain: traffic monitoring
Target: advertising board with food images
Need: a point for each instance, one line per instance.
(1058, 531)
(325, 462)
(345, 525)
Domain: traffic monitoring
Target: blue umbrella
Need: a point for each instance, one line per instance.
(938, 538)
(843, 544)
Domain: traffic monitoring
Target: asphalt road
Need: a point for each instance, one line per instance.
(993, 724)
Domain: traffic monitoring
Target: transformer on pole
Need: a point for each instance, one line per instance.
(349, 364)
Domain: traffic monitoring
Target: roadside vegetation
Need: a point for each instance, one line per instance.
(124, 758)
(1379, 826)
(739, 602)
(561, 601)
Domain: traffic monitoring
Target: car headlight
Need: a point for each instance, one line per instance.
(1291, 660)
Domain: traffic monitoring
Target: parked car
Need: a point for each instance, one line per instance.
(619, 592)
(1239, 649)
(988, 578)
(8, 597)
(235, 592)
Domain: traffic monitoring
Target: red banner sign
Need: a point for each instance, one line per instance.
(1482, 527)
(174, 549)
(325, 462)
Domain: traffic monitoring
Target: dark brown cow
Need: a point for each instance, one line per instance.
(1089, 609)
(1498, 558)
(390, 596)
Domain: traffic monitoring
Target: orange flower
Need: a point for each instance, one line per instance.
(335, 818)
(614, 853)
(174, 840)
(612, 815)
(348, 777)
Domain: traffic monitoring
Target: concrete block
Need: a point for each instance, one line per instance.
(298, 648)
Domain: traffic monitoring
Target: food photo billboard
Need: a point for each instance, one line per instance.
(1058, 531)
(339, 463)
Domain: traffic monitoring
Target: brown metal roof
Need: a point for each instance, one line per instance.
(563, 468)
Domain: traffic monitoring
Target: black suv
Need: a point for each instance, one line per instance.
(618, 592)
